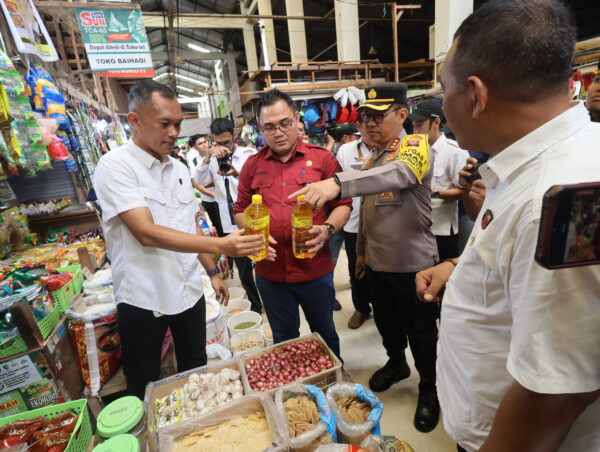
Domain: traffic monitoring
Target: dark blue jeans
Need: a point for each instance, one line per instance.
(281, 301)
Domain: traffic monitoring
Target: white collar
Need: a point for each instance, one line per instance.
(507, 161)
(147, 159)
(439, 144)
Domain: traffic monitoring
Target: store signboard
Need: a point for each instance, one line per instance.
(27, 29)
(116, 42)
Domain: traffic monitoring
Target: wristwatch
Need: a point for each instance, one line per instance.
(212, 272)
(330, 229)
(435, 194)
(336, 179)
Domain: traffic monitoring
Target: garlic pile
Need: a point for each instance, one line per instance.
(203, 393)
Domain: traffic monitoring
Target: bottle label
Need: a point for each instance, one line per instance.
(259, 223)
(302, 222)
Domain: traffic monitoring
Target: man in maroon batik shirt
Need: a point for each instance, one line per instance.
(282, 167)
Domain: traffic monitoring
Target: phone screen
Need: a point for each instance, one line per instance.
(583, 233)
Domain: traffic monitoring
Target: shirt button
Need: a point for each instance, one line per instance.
(283, 204)
(284, 184)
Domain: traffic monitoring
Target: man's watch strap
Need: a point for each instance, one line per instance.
(330, 229)
(337, 180)
(212, 272)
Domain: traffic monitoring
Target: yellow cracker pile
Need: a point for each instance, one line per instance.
(302, 414)
(240, 434)
(354, 410)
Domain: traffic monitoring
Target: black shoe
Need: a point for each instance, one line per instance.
(337, 306)
(389, 374)
(428, 412)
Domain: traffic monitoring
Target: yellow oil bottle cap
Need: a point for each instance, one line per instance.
(256, 199)
(300, 198)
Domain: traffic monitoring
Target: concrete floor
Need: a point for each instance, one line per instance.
(363, 353)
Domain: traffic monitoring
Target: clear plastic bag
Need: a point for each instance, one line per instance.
(323, 433)
(375, 443)
(245, 406)
(354, 433)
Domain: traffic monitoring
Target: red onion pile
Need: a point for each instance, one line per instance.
(287, 363)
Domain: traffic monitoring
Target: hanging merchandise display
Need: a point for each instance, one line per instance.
(28, 29)
(23, 140)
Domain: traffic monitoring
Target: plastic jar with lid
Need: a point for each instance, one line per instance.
(124, 415)
(119, 443)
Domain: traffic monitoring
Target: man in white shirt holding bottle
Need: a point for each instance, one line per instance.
(449, 159)
(148, 218)
(352, 156)
(222, 165)
(518, 358)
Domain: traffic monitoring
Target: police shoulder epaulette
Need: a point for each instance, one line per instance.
(394, 144)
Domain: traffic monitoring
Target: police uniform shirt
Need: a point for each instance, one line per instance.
(395, 216)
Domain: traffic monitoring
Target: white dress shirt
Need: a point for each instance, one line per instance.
(159, 280)
(504, 317)
(205, 174)
(194, 158)
(449, 160)
(347, 155)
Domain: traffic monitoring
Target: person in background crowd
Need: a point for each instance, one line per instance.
(394, 241)
(222, 166)
(148, 217)
(176, 154)
(352, 155)
(198, 150)
(282, 167)
(593, 97)
(518, 362)
(302, 131)
(445, 188)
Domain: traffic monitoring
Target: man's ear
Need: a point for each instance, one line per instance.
(133, 119)
(478, 96)
(402, 115)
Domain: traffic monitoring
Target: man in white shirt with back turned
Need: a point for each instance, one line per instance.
(427, 118)
(519, 346)
(222, 165)
(148, 216)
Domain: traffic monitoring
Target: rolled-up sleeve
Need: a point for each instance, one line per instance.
(116, 188)
(203, 174)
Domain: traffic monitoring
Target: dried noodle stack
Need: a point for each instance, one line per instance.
(302, 415)
(354, 410)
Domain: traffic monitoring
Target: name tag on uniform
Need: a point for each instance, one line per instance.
(387, 195)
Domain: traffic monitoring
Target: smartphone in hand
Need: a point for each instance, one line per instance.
(569, 234)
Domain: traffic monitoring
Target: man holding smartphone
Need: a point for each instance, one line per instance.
(518, 355)
(222, 165)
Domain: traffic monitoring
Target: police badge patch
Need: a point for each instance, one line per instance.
(487, 218)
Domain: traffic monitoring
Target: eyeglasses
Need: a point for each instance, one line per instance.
(368, 117)
(284, 126)
(228, 144)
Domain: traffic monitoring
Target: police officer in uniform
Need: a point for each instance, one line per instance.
(394, 240)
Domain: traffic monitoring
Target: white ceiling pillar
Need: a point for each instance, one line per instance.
(264, 8)
(449, 14)
(296, 31)
(249, 42)
(346, 30)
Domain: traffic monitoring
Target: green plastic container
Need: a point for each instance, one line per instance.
(47, 324)
(124, 415)
(14, 346)
(80, 439)
(119, 443)
(63, 296)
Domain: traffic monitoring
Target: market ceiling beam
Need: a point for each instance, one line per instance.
(296, 31)
(196, 56)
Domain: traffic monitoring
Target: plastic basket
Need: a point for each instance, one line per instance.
(82, 433)
(12, 347)
(63, 296)
(323, 379)
(47, 324)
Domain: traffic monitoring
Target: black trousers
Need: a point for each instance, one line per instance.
(212, 209)
(460, 449)
(142, 335)
(244, 266)
(447, 246)
(404, 320)
(360, 287)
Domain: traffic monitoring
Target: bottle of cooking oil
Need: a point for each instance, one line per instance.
(256, 220)
(302, 221)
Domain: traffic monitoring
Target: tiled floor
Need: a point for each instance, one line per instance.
(363, 353)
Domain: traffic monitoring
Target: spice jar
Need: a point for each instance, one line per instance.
(124, 415)
(119, 443)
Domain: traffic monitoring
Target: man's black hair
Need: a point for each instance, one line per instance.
(523, 48)
(221, 125)
(274, 96)
(140, 94)
(194, 138)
